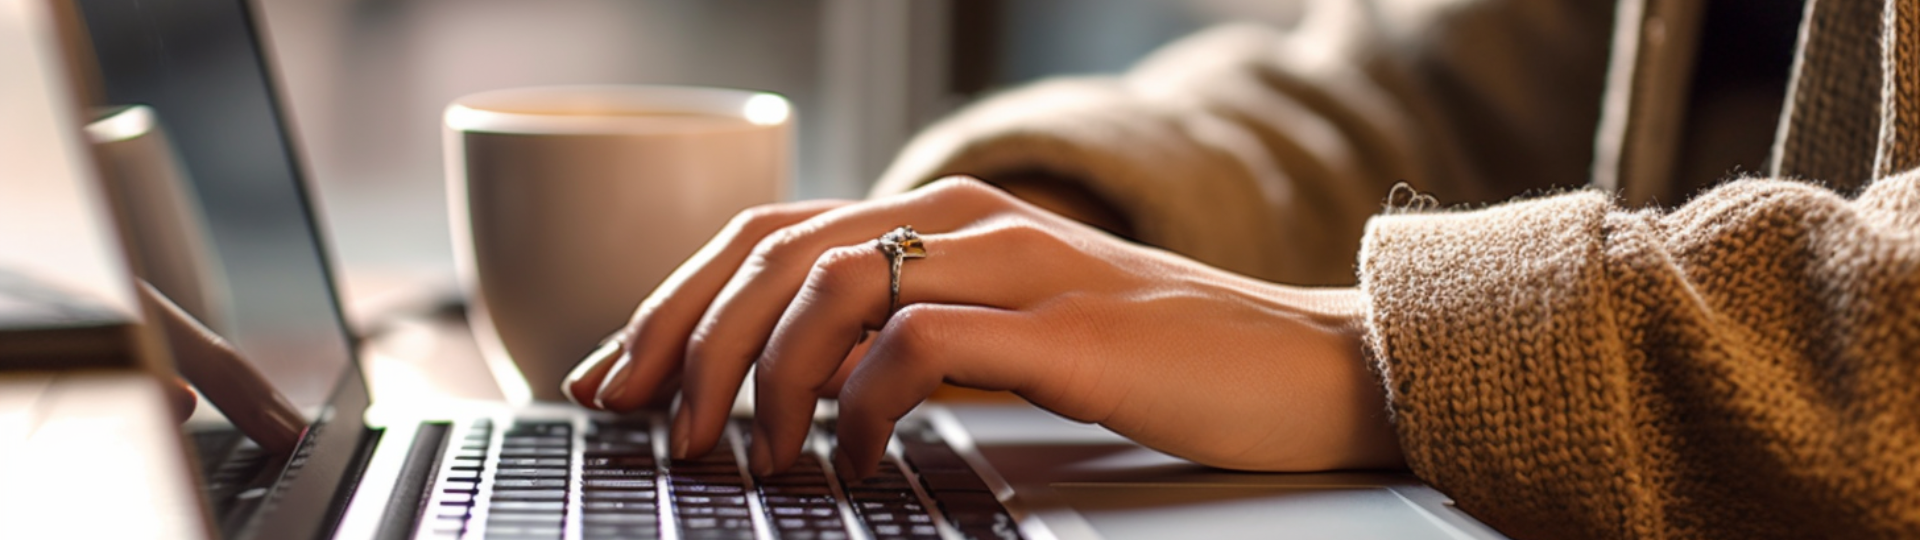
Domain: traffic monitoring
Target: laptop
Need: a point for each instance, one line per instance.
(476, 470)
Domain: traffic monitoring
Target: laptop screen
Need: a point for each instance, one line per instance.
(200, 65)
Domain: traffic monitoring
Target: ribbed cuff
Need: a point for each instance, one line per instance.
(1491, 330)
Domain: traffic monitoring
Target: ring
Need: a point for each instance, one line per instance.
(899, 245)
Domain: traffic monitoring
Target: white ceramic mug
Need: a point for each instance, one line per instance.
(571, 203)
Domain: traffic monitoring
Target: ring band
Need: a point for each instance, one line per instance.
(899, 245)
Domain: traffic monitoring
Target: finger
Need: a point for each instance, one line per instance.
(582, 385)
(655, 339)
(229, 381)
(181, 399)
(847, 364)
(847, 292)
(923, 345)
(730, 336)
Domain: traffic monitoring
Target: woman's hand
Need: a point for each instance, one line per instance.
(1187, 359)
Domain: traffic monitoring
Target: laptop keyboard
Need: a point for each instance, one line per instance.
(537, 480)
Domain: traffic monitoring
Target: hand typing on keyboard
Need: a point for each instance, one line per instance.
(1189, 359)
(213, 366)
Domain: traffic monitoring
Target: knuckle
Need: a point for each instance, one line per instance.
(966, 190)
(1026, 235)
(1029, 241)
(760, 220)
(916, 333)
(839, 270)
(782, 245)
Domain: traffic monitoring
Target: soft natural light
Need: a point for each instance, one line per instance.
(133, 122)
(766, 109)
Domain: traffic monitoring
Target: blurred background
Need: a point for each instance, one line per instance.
(367, 80)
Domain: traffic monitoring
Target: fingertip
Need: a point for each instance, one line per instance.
(582, 386)
(759, 453)
(180, 396)
(858, 452)
(845, 466)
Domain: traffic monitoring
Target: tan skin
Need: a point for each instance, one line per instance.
(1188, 359)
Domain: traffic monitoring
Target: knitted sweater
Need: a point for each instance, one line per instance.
(1745, 365)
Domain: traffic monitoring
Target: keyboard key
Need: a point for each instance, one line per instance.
(463, 474)
(798, 500)
(615, 473)
(635, 495)
(682, 478)
(796, 490)
(532, 473)
(620, 507)
(533, 452)
(732, 511)
(952, 481)
(521, 532)
(451, 512)
(682, 468)
(716, 534)
(610, 532)
(619, 519)
(629, 462)
(448, 524)
(978, 515)
(456, 498)
(790, 479)
(528, 506)
(617, 448)
(711, 489)
(880, 495)
(459, 487)
(519, 442)
(462, 464)
(525, 518)
(540, 428)
(526, 483)
(533, 462)
(892, 483)
(617, 483)
(709, 500)
(529, 494)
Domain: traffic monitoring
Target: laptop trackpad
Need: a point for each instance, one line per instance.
(1124, 511)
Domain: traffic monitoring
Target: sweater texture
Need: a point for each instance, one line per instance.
(1577, 362)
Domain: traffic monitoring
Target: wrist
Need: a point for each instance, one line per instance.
(1340, 312)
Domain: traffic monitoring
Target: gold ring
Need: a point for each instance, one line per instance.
(899, 245)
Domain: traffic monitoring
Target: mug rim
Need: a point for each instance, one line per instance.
(617, 109)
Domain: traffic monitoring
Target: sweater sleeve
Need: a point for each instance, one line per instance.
(1746, 366)
(1289, 134)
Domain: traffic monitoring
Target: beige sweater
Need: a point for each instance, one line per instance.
(1745, 365)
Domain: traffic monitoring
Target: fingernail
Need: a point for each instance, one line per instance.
(760, 457)
(679, 434)
(615, 386)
